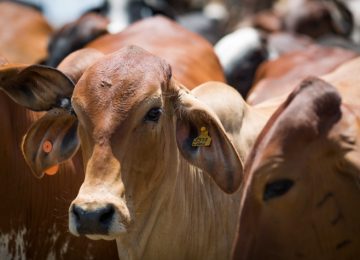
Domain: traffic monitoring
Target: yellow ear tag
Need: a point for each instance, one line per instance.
(203, 139)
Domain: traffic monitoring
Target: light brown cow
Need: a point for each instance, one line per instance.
(280, 76)
(301, 194)
(146, 185)
(24, 33)
(33, 223)
(192, 58)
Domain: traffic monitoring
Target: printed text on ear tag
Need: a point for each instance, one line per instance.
(203, 139)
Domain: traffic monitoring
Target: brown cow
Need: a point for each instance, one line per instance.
(301, 194)
(33, 223)
(274, 78)
(184, 49)
(146, 185)
(24, 33)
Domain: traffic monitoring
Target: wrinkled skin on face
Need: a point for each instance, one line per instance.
(301, 196)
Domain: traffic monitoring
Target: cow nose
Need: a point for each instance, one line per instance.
(95, 222)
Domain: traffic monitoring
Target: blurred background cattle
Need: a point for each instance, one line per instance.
(262, 48)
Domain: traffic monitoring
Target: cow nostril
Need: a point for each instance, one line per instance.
(77, 216)
(106, 217)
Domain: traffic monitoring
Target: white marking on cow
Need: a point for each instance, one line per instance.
(118, 16)
(51, 256)
(64, 249)
(216, 11)
(235, 45)
(55, 234)
(9, 250)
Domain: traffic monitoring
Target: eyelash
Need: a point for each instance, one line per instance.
(155, 118)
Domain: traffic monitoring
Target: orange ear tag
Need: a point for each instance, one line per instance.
(203, 139)
(52, 170)
(47, 147)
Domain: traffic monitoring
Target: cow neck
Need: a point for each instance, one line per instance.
(253, 121)
(186, 217)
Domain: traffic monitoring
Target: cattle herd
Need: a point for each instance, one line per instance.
(181, 129)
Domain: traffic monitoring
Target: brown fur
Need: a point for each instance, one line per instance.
(23, 32)
(33, 212)
(310, 140)
(192, 58)
(280, 76)
(159, 186)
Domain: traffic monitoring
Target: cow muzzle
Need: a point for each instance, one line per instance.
(98, 220)
(93, 221)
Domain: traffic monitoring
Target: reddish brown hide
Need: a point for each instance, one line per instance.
(191, 57)
(275, 78)
(24, 33)
(33, 219)
(301, 193)
(146, 185)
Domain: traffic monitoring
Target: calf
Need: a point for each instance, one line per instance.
(146, 185)
(32, 219)
(301, 193)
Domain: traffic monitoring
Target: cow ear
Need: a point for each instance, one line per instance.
(35, 87)
(51, 140)
(219, 158)
(341, 18)
(77, 62)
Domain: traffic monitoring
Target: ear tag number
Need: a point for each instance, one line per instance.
(47, 147)
(203, 139)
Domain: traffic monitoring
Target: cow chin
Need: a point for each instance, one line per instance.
(98, 237)
(99, 220)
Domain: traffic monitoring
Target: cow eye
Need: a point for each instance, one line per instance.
(277, 188)
(153, 114)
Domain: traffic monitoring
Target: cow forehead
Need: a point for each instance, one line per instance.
(116, 82)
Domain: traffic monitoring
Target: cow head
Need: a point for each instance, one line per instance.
(136, 124)
(301, 194)
(319, 18)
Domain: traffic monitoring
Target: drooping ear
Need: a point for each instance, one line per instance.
(35, 87)
(77, 62)
(220, 159)
(51, 140)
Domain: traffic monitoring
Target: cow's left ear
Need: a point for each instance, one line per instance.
(219, 159)
(51, 140)
(35, 87)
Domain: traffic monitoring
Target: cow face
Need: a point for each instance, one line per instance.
(301, 198)
(122, 116)
(136, 124)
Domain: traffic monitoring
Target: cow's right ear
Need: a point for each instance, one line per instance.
(75, 64)
(203, 141)
(35, 87)
(51, 140)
